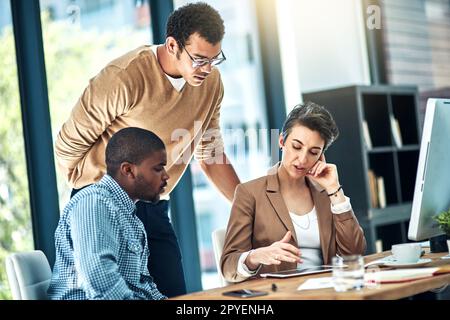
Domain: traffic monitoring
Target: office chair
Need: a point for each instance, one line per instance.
(29, 275)
(218, 239)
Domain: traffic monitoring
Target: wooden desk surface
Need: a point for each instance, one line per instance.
(287, 288)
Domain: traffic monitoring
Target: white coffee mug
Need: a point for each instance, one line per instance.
(406, 252)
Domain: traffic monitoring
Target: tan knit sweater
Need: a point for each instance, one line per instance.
(133, 91)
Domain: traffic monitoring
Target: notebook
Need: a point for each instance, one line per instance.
(403, 275)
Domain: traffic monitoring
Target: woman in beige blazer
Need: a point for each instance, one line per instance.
(298, 213)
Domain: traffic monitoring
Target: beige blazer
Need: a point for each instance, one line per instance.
(260, 217)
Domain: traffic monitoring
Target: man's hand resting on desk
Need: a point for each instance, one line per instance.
(274, 254)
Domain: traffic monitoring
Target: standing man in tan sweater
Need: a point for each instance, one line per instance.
(173, 90)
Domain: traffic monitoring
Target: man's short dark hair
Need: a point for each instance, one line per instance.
(195, 17)
(131, 145)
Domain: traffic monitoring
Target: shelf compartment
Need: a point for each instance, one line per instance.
(376, 114)
(404, 110)
(382, 164)
(407, 164)
(389, 235)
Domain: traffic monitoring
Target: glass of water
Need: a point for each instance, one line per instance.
(348, 273)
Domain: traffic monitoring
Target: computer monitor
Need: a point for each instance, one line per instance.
(432, 189)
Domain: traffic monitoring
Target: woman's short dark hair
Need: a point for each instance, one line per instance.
(195, 17)
(314, 117)
(131, 145)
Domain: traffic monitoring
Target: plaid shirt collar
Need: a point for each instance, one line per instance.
(119, 194)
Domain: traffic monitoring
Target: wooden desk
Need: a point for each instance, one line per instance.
(287, 288)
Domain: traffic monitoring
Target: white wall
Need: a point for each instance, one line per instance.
(322, 45)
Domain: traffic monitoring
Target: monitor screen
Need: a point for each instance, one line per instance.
(432, 188)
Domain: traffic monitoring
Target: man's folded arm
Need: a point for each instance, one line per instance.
(105, 98)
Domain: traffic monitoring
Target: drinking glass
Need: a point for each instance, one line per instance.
(348, 273)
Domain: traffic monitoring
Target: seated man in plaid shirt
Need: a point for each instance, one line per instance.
(101, 245)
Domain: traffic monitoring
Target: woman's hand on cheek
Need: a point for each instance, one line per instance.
(325, 174)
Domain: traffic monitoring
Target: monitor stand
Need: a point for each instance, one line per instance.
(438, 244)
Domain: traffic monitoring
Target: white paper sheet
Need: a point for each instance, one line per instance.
(316, 283)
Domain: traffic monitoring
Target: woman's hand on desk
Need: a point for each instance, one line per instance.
(274, 254)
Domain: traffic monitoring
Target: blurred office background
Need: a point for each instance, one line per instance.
(276, 51)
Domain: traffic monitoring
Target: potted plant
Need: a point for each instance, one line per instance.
(443, 219)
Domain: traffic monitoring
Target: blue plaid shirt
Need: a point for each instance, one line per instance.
(101, 248)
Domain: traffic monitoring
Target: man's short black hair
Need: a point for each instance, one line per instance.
(131, 145)
(195, 17)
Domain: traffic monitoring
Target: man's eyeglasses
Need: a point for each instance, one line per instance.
(200, 62)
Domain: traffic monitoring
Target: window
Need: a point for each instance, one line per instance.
(15, 219)
(416, 46)
(80, 38)
(242, 117)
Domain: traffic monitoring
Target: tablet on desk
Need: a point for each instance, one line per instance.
(297, 272)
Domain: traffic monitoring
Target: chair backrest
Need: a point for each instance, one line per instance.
(218, 240)
(29, 275)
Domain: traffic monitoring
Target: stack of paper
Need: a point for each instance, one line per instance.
(400, 275)
(377, 190)
(396, 134)
(316, 283)
(366, 135)
(373, 189)
(381, 192)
